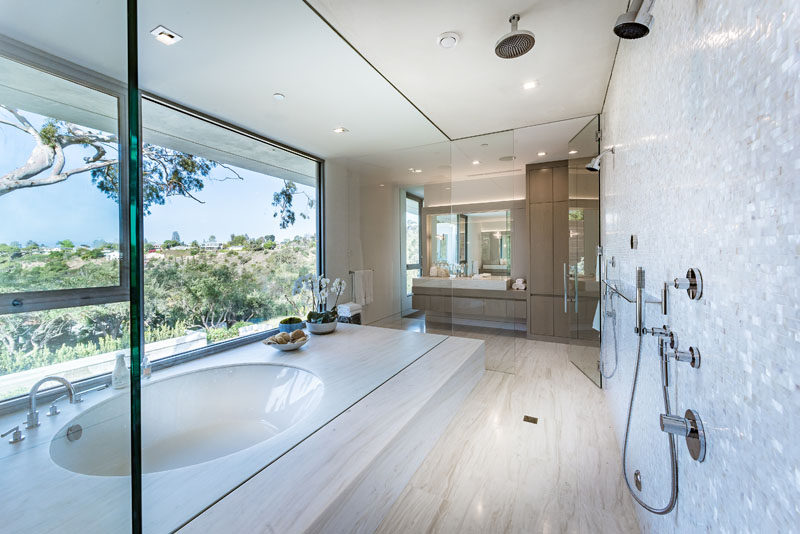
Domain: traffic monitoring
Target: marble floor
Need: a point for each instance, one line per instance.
(493, 472)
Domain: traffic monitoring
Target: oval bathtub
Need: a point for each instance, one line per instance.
(188, 419)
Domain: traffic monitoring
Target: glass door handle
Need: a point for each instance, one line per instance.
(576, 289)
(565, 288)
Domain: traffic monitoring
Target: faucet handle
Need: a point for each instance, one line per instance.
(53, 410)
(16, 435)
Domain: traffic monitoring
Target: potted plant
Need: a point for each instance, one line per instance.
(320, 320)
(290, 324)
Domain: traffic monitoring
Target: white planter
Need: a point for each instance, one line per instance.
(321, 328)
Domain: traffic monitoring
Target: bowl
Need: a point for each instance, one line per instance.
(291, 327)
(286, 347)
(322, 328)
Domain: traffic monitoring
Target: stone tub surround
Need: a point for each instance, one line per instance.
(346, 476)
(352, 363)
(704, 115)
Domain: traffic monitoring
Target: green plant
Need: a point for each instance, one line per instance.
(291, 320)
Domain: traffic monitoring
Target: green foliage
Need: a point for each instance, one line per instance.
(170, 243)
(291, 320)
(66, 244)
(49, 133)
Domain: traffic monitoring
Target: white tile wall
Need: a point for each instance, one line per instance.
(705, 117)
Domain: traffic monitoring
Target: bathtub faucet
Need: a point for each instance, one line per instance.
(33, 416)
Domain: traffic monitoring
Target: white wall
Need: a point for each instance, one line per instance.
(363, 232)
(704, 113)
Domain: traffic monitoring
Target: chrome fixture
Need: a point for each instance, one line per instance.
(664, 334)
(691, 356)
(16, 435)
(594, 165)
(691, 427)
(635, 23)
(639, 302)
(74, 432)
(515, 43)
(32, 420)
(693, 283)
(637, 479)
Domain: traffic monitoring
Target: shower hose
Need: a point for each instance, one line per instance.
(673, 497)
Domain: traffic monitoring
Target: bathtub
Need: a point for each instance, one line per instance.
(189, 419)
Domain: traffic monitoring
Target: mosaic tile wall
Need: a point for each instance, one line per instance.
(705, 117)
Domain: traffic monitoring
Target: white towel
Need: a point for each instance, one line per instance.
(368, 287)
(362, 287)
(348, 309)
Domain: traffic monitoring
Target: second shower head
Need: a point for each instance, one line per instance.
(635, 23)
(515, 43)
(594, 165)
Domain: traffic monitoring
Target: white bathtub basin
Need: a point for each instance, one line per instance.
(189, 419)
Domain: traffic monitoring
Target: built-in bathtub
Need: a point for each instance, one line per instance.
(189, 419)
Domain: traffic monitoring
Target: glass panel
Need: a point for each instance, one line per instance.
(59, 152)
(63, 193)
(584, 238)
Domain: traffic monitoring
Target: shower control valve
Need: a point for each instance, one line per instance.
(663, 333)
(690, 427)
(691, 356)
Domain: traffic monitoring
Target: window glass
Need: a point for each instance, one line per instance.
(59, 183)
(412, 231)
(224, 248)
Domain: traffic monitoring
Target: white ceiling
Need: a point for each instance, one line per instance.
(232, 58)
(235, 55)
(468, 90)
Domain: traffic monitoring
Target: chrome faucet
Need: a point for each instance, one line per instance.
(32, 420)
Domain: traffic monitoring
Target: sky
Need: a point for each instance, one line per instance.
(75, 209)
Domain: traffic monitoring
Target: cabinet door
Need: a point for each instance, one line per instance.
(560, 184)
(560, 318)
(467, 306)
(440, 304)
(542, 315)
(540, 185)
(420, 302)
(542, 248)
(495, 308)
(560, 243)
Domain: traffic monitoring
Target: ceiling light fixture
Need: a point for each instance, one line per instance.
(278, 96)
(573, 152)
(530, 85)
(507, 158)
(340, 129)
(540, 154)
(165, 36)
(476, 162)
(417, 171)
(448, 39)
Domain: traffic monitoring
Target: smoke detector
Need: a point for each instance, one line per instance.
(448, 39)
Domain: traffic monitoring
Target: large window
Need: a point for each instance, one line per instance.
(413, 240)
(230, 222)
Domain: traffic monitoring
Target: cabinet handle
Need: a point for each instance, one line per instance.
(565, 288)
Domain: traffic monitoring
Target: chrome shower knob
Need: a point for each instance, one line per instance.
(693, 283)
(691, 427)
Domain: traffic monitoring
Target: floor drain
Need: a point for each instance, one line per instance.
(529, 419)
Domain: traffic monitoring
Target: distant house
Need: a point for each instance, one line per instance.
(236, 247)
(211, 246)
(112, 254)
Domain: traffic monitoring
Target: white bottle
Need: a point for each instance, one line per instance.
(120, 378)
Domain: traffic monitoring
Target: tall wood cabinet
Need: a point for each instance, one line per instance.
(548, 208)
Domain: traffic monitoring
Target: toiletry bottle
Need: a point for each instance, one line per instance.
(120, 378)
(146, 370)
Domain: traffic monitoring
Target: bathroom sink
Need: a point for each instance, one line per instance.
(189, 419)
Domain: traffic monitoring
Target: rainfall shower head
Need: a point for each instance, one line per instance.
(515, 43)
(635, 22)
(594, 165)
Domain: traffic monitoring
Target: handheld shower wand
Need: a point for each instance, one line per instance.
(639, 301)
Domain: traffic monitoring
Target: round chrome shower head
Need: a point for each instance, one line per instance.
(626, 27)
(515, 43)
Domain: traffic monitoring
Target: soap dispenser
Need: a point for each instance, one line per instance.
(120, 378)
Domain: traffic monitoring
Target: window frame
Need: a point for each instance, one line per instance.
(79, 297)
(415, 266)
(46, 299)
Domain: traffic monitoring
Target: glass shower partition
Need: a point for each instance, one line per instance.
(582, 295)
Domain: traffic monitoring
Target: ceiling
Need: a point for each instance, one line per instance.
(235, 55)
(467, 90)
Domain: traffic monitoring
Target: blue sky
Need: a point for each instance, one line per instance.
(75, 209)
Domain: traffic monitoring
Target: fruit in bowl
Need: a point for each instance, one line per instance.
(287, 341)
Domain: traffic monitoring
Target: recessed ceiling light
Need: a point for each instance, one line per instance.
(165, 36)
(448, 39)
(417, 171)
(381, 185)
(533, 84)
(484, 144)
(340, 129)
(278, 96)
(508, 158)
(573, 152)
(476, 162)
(541, 154)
